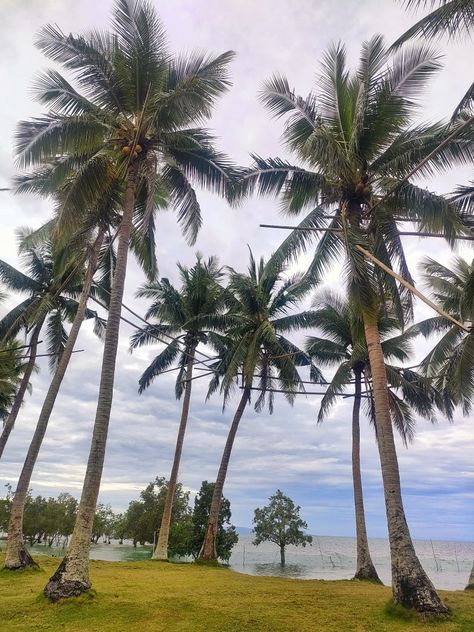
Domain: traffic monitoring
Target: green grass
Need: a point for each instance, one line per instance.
(150, 596)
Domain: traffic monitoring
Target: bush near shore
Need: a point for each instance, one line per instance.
(162, 597)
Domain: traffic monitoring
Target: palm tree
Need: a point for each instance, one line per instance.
(16, 555)
(129, 119)
(90, 243)
(451, 362)
(343, 347)
(179, 313)
(255, 346)
(357, 147)
(51, 290)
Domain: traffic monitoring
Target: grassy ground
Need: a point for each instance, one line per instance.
(159, 597)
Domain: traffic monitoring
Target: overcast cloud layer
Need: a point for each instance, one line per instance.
(287, 450)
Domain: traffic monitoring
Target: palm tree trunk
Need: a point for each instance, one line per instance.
(10, 422)
(365, 568)
(72, 576)
(470, 584)
(411, 586)
(208, 550)
(161, 550)
(16, 554)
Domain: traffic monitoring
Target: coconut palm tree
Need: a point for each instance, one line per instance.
(132, 116)
(255, 347)
(451, 362)
(356, 146)
(178, 313)
(16, 555)
(343, 347)
(51, 291)
(94, 246)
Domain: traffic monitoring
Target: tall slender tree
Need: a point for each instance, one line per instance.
(450, 364)
(98, 252)
(132, 117)
(16, 555)
(255, 349)
(357, 147)
(343, 347)
(179, 313)
(51, 298)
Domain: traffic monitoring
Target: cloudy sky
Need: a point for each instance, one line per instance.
(286, 450)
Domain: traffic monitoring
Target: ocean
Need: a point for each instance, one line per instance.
(448, 564)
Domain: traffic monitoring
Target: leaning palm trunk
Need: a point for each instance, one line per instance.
(365, 568)
(72, 576)
(16, 554)
(161, 550)
(10, 422)
(208, 550)
(470, 584)
(411, 586)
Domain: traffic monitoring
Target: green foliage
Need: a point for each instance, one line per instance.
(12, 366)
(51, 283)
(344, 348)
(143, 517)
(450, 364)
(279, 522)
(452, 17)
(255, 346)
(46, 520)
(127, 100)
(104, 523)
(187, 314)
(226, 534)
(355, 141)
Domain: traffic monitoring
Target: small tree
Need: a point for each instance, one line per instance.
(280, 522)
(226, 536)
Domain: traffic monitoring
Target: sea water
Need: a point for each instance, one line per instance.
(448, 564)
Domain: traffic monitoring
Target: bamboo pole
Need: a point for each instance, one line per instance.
(412, 289)
(395, 275)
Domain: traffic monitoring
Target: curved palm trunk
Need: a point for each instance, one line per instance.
(365, 568)
(10, 422)
(470, 584)
(16, 554)
(208, 550)
(72, 576)
(411, 586)
(161, 550)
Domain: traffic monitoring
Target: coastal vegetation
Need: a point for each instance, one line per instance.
(122, 138)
